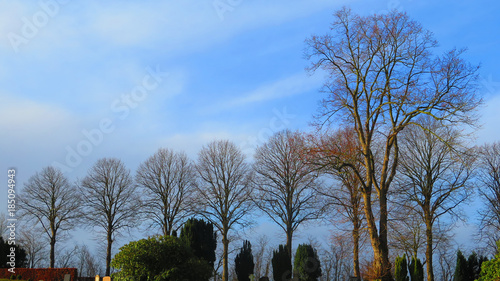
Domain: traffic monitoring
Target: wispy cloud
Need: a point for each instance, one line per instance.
(296, 84)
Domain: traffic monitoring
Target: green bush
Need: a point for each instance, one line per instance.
(401, 269)
(243, 262)
(307, 266)
(416, 270)
(281, 262)
(490, 270)
(159, 258)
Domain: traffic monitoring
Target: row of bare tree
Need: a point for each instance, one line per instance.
(293, 179)
(389, 138)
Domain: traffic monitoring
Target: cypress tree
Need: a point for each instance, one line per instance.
(243, 262)
(416, 270)
(401, 269)
(461, 269)
(307, 266)
(282, 267)
(199, 235)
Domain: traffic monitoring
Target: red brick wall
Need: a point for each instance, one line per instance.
(36, 274)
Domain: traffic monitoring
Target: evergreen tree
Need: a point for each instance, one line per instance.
(416, 270)
(401, 269)
(282, 267)
(461, 269)
(243, 262)
(307, 266)
(199, 235)
(490, 270)
(5, 250)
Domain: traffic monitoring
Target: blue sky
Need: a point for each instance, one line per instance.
(123, 78)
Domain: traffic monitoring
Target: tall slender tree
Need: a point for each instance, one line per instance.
(436, 172)
(111, 200)
(52, 202)
(168, 178)
(285, 183)
(224, 190)
(344, 197)
(382, 74)
(489, 176)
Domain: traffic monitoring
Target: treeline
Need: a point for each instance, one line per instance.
(389, 157)
(288, 181)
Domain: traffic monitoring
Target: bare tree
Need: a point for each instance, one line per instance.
(407, 232)
(446, 257)
(111, 200)
(3, 224)
(343, 196)
(489, 175)
(285, 183)
(381, 76)
(224, 190)
(335, 259)
(67, 257)
(34, 245)
(169, 179)
(53, 202)
(436, 174)
(262, 256)
(87, 264)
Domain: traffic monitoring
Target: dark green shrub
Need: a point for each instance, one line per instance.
(243, 262)
(199, 235)
(282, 267)
(307, 266)
(461, 268)
(401, 269)
(19, 277)
(12, 277)
(416, 270)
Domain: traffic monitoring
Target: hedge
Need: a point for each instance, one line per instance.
(36, 274)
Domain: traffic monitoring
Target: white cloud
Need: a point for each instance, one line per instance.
(172, 26)
(286, 87)
(490, 116)
(26, 120)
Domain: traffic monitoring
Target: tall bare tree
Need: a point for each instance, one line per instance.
(382, 74)
(489, 175)
(436, 172)
(169, 179)
(285, 183)
(343, 195)
(35, 246)
(53, 202)
(111, 200)
(224, 191)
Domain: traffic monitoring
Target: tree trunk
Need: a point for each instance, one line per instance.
(52, 251)
(428, 250)
(225, 268)
(355, 250)
(108, 254)
(384, 248)
(289, 234)
(382, 266)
